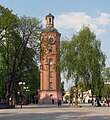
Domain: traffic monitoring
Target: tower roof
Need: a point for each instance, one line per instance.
(50, 24)
(50, 30)
(50, 15)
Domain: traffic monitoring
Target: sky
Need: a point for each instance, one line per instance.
(70, 16)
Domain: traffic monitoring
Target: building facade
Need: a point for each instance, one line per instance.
(49, 77)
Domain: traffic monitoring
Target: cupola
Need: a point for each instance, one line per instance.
(49, 20)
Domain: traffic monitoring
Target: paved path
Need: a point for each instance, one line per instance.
(52, 112)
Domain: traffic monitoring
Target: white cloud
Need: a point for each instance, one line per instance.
(103, 19)
(75, 20)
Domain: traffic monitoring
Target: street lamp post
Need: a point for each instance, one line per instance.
(21, 91)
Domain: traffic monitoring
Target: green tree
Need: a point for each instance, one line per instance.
(72, 92)
(8, 25)
(30, 74)
(2, 82)
(82, 88)
(62, 89)
(30, 29)
(67, 97)
(19, 47)
(93, 61)
(82, 59)
(106, 78)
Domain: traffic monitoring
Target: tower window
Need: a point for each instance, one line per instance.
(50, 20)
(51, 62)
(50, 85)
(51, 74)
(50, 50)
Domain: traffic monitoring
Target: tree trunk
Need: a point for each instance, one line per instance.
(76, 92)
(10, 88)
(82, 96)
(92, 97)
(76, 97)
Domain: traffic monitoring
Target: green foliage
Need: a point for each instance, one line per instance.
(62, 85)
(2, 85)
(82, 59)
(62, 88)
(19, 51)
(8, 25)
(72, 92)
(67, 97)
(8, 21)
(106, 74)
(106, 78)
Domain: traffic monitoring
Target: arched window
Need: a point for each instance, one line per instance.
(50, 85)
(50, 50)
(51, 62)
(50, 20)
(50, 74)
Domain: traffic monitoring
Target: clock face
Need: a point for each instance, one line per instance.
(51, 41)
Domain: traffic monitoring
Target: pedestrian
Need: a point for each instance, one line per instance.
(59, 102)
(71, 102)
(52, 101)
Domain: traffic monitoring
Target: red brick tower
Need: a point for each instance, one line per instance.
(49, 77)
